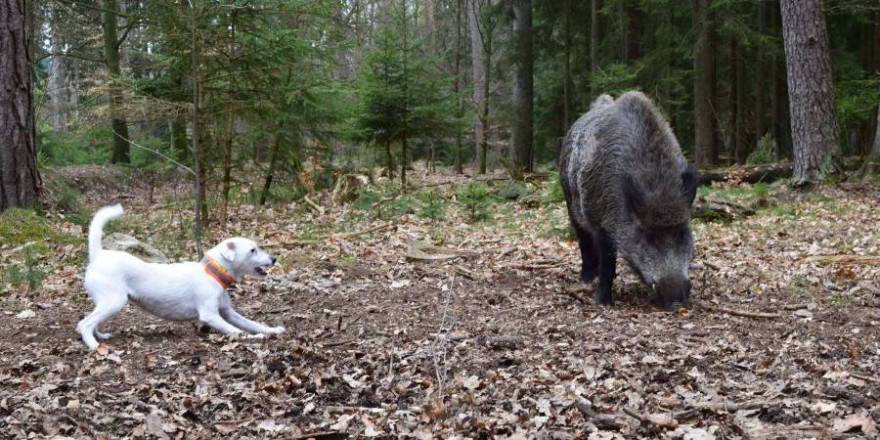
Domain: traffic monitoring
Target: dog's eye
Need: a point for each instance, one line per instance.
(253, 250)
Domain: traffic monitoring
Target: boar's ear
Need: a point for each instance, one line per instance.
(632, 197)
(690, 179)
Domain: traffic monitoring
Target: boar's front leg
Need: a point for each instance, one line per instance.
(607, 267)
(589, 254)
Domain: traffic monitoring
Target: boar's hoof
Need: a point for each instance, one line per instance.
(602, 299)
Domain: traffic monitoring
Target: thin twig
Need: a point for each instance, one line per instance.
(155, 152)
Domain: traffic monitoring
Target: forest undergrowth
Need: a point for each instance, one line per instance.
(452, 311)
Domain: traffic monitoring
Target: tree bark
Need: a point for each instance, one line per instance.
(230, 121)
(704, 66)
(566, 65)
(197, 152)
(459, 110)
(479, 74)
(20, 183)
(178, 135)
(777, 92)
(273, 161)
(760, 70)
(523, 87)
(810, 90)
(733, 99)
(111, 57)
(873, 161)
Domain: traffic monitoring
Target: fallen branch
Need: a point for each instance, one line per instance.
(316, 207)
(714, 209)
(867, 260)
(602, 421)
(747, 174)
(737, 312)
(342, 236)
(662, 421)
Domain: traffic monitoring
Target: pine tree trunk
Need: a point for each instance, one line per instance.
(196, 149)
(270, 172)
(566, 65)
(760, 72)
(704, 86)
(479, 75)
(389, 160)
(230, 121)
(733, 103)
(178, 135)
(744, 145)
(810, 90)
(523, 88)
(459, 110)
(111, 57)
(20, 183)
(873, 162)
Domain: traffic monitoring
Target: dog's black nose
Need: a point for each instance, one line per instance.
(274, 260)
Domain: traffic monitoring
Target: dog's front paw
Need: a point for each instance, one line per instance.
(255, 336)
(276, 330)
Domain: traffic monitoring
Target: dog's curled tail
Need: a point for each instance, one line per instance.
(96, 228)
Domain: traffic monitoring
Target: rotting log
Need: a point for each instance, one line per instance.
(748, 174)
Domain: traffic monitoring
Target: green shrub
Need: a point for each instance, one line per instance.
(764, 153)
(433, 206)
(475, 199)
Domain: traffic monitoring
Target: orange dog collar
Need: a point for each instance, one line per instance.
(217, 272)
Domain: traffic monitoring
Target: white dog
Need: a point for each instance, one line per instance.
(178, 292)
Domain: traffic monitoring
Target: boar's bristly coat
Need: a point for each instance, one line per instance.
(628, 188)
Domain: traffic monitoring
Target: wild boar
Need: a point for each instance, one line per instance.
(628, 188)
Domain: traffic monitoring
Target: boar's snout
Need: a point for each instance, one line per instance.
(673, 293)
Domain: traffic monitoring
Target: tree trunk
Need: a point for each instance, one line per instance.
(479, 74)
(761, 70)
(523, 91)
(566, 65)
(732, 95)
(270, 172)
(197, 152)
(178, 135)
(230, 121)
(704, 66)
(20, 183)
(459, 110)
(389, 158)
(873, 160)
(403, 152)
(111, 57)
(406, 103)
(810, 90)
(744, 145)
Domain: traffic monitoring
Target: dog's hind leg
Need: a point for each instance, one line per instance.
(246, 324)
(105, 307)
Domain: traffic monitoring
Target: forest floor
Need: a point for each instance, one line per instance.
(494, 338)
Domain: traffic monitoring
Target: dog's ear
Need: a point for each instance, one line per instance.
(229, 252)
